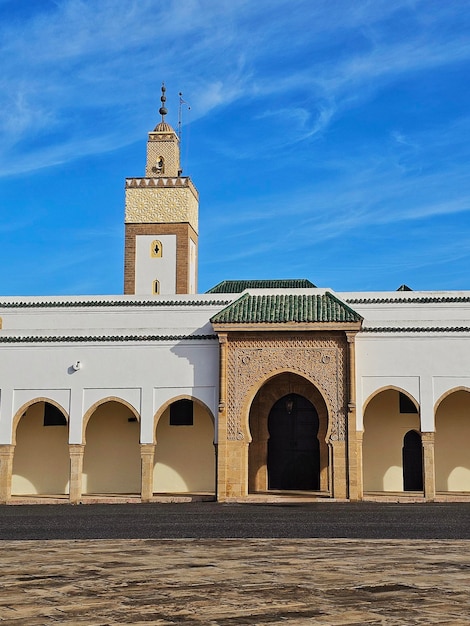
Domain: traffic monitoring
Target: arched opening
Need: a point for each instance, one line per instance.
(412, 455)
(451, 445)
(111, 462)
(388, 417)
(293, 446)
(185, 453)
(288, 423)
(41, 457)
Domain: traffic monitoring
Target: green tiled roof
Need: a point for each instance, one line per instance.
(237, 286)
(282, 308)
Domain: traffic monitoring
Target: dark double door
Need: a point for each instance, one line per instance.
(293, 446)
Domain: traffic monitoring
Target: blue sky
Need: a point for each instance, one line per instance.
(328, 139)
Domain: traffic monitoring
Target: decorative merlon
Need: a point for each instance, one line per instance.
(174, 181)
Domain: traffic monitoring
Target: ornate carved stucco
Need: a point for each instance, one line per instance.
(161, 205)
(253, 359)
(165, 146)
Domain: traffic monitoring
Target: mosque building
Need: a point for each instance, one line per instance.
(255, 389)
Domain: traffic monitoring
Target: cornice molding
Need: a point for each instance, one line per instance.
(417, 300)
(102, 338)
(69, 304)
(416, 329)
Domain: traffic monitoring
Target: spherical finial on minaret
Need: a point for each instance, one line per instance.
(162, 109)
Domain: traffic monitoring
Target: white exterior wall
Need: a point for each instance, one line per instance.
(424, 363)
(144, 374)
(149, 268)
(143, 352)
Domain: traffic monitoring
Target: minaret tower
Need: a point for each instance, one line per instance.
(161, 220)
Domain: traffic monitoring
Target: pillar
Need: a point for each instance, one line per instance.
(339, 469)
(360, 482)
(429, 476)
(76, 451)
(221, 447)
(6, 470)
(147, 453)
(352, 476)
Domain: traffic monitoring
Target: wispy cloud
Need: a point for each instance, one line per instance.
(75, 58)
(329, 122)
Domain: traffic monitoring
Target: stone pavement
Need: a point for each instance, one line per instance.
(230, 582)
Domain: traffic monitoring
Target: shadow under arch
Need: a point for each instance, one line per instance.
(41, 454)
(111, 460)
(452, 434)
(184, 454)
(386, 421)
(279, 385)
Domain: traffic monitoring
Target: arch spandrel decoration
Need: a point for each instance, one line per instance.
(252, 360)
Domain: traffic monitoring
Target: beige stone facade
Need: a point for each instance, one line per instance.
(161, 201)
(259, 368)
(163, 152)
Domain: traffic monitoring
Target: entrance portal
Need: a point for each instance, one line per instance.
(293, 446)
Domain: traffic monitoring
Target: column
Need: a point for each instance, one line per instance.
(429, 477)
(339, 486)
(6, 470)
(147, 453)
(221, 448)
(352, 442)
(76, 451)
(360, 484)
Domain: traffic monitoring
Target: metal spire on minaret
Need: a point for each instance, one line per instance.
(162, 110)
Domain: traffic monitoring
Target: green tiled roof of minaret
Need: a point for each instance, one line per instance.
(237, 286)
(282, 308)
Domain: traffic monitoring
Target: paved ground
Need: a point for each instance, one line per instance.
(232, 565)
(235, 582)
(209, 520)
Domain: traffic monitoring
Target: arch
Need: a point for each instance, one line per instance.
(184, 454)
(272, 391)
(41, 454)
(97, 404)
(451, 449)
(386, 388)
(111, 460)
(250, 396)
(23, 409)
(448, 393)
(165, 406)
(384, 430)
(156, 287)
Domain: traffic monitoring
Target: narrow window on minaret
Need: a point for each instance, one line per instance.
(159, 167)
(156, 287)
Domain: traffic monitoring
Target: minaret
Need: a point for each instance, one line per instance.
(160, 253)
